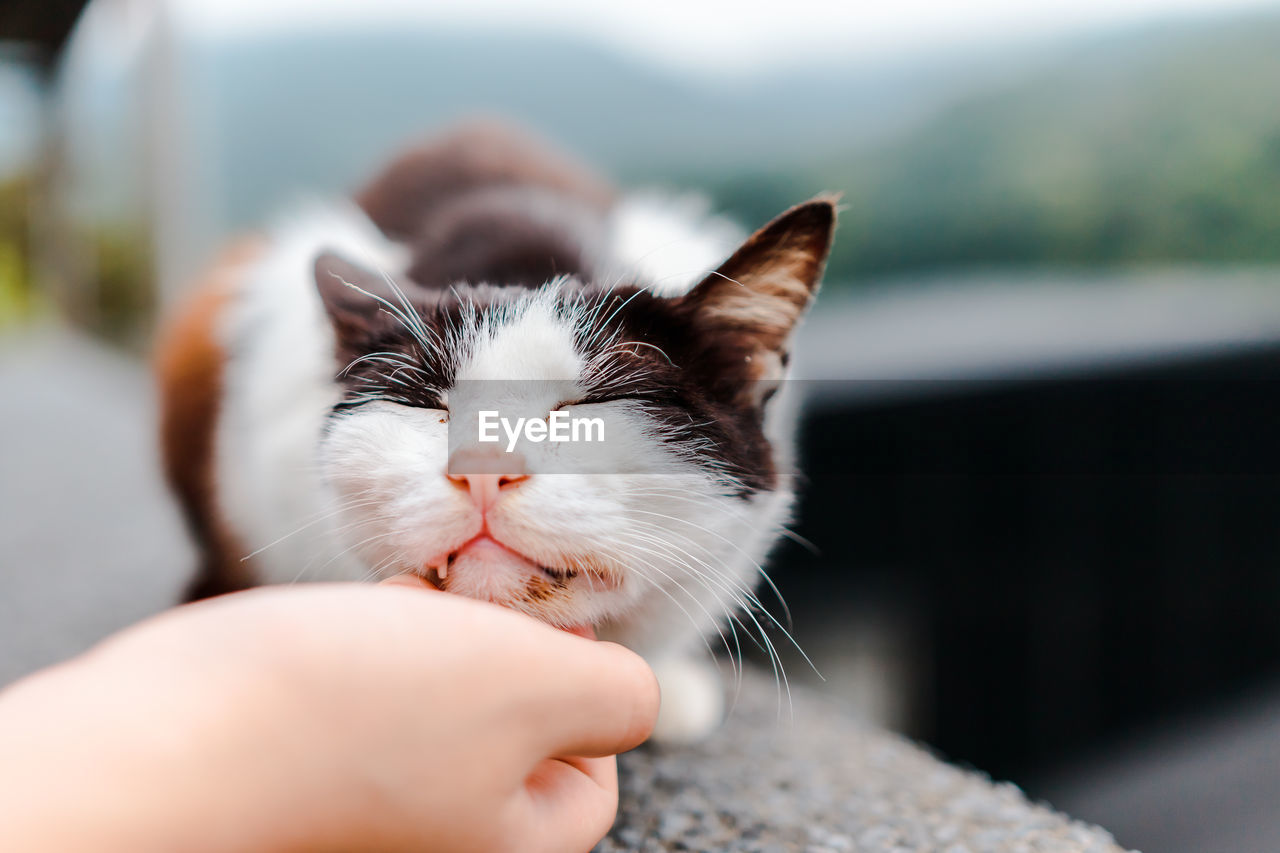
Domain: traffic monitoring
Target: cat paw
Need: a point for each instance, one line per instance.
(692, 700)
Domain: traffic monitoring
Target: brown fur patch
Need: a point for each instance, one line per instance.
(540, 589)
(189, 363)
(476, 156)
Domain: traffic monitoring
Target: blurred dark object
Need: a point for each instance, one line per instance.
(42, 23)
(1079, 551)
(1086, 554)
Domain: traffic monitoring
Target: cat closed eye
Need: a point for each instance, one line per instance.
(604, 398)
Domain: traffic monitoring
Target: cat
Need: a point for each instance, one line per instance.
(312, 394)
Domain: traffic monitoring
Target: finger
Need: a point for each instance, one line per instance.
(599, 699)
(587, 698)
(570, 803)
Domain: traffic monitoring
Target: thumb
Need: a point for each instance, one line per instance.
(603, 699)
(593, 698)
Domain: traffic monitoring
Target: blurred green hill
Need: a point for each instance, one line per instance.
(1153, 146)
(319, 111)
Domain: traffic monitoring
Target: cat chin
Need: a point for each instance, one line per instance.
(486, 570)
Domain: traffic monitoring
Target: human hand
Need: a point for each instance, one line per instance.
(320, 718)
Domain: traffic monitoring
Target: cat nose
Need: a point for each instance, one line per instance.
(486, 473)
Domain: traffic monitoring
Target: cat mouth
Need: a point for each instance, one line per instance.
(563, 595)
(485, 547)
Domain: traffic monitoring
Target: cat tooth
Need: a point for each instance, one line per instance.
(440, 567)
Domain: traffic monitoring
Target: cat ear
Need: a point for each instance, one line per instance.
(352, 295)
(751, 304)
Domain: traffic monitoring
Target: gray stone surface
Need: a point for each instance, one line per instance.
(812, 779)
(90, 543)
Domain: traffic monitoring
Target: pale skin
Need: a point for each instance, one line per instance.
(336, 717)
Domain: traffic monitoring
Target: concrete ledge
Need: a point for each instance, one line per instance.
(820, 782)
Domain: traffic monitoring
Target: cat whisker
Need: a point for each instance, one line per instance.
(640, 573)
(324, 516)
(780, 530)
(749, 603)
(759, 569)
(634, 537)
(374, 538)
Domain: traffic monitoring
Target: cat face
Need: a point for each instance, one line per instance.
(672, 510)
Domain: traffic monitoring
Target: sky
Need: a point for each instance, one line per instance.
(729, 37)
